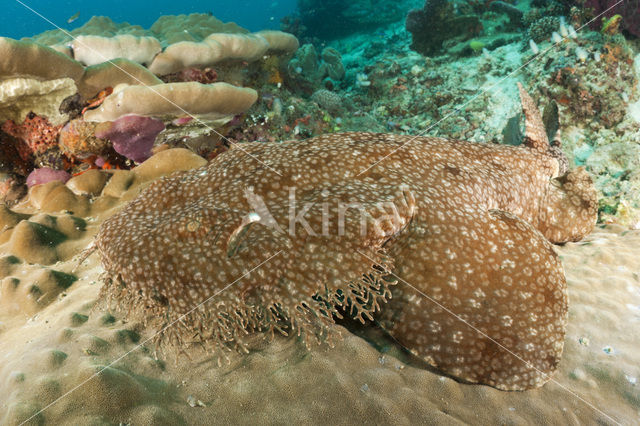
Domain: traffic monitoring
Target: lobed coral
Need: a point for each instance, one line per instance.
(204, 76)
(217, 102)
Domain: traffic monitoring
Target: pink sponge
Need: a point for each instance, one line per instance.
(45, 175)
(132, 136)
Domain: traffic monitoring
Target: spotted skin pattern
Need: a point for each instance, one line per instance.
(478, 291)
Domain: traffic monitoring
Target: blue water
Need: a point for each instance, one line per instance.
(17, 21)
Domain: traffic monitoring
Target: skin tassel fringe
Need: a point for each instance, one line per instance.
(225, 328)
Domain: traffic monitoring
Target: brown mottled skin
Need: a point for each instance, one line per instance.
(480, 293)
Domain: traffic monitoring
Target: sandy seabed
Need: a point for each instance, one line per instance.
(53, 342)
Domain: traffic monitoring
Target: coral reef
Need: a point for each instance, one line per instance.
(36, 142)
(465, 93)
(93, 50)
(333, 63)
(98, 78)
(168, 29)
(34, 79)
(21, 96)
(167, 47)
(50, 96)
(217, 102)
(220, 47)
(204, 76)
(595, 100)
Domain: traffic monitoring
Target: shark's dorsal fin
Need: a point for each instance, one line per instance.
(535, 135)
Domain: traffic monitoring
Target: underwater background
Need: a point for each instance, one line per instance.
(97, 115)
(18, 21)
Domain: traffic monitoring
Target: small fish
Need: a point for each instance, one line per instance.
(73, 17)
(98, 99)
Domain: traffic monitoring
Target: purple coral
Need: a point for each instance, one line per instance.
(46, 175)
(133, 136)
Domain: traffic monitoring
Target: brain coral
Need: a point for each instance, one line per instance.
(459, 232)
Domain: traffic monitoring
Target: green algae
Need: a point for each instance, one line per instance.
(57, 358)
(126, 336)
(63, 279)
(46, 235)
(78, 319)
(107, 319)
